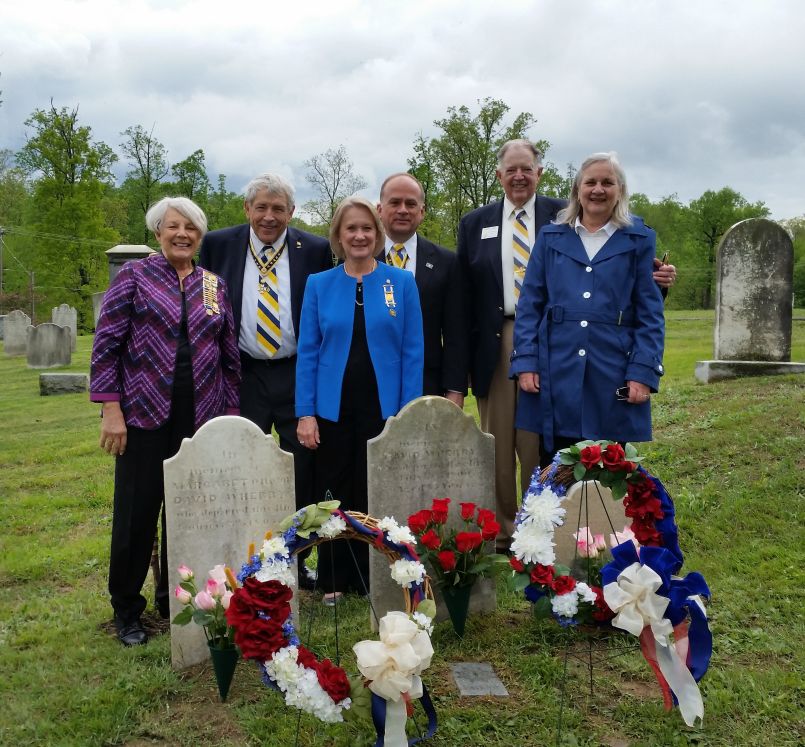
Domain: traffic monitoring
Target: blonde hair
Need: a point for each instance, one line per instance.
(621, 217)
(338, 219)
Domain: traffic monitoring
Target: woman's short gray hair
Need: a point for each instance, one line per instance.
(621, 217)
(273, 184)
(338, 219)
(183, 205)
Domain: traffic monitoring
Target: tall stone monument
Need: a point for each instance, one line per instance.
(65, 315)
(48, 346)
(117, 256)
(754, 295)
(15, 333)
(431, 449)
(225, 488)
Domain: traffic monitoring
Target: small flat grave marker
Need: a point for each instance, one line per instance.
(475, 678)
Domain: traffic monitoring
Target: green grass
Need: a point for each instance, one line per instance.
(731, 454)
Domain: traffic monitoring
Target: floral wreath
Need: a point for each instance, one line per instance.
(260, 613)
(640, 591)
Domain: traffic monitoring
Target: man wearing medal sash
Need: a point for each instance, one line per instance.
(266, 263)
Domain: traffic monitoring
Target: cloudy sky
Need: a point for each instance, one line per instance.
(693, 94)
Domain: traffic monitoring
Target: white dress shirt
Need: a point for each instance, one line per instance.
(247, 340)
(506, 252)
(595, 240)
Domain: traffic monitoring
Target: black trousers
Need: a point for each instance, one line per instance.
(139, 496)
(267, 399)
(341, 469)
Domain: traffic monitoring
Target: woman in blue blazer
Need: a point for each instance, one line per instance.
(359, 361)
(589, 329)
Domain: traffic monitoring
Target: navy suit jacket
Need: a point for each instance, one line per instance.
(483, 273)
(225, 252)
(444, 317)
(393, 336)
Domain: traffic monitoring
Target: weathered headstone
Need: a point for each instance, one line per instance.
(225, 488)
(97, 300)
(48, 346)
(477, 678)
(431, 449)
(15, 332)
(62, 383)
(587, 505)
(65, 315)
(118, 255)
(2, 324)
(754, 282)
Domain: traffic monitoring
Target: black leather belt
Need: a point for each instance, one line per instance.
(246, 361)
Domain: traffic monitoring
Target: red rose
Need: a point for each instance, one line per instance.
(613, 457)
(645, 532)
(240, 612)
(467, 510)
(591, 456)
(260, 639)
(601, 610)
(650, 508)
(490, 530)
(333, 680)
(439, 510)
(639, 492)
(517, 564)
(484, 515)
(430, 539)
(268, 596)
(447, 560)
(468, 541)
(419, 521)
(564, 584)
(542, 575)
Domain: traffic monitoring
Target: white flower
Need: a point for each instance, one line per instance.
(544, 509)
(423, 621)
(585, 593)
(276, 570)
(274, 546)
(332, 527)
(531, 544)
(387, 523)
(566, 605)
(397, 534)
(407, 572)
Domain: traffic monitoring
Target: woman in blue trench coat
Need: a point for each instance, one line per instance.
(589, 329)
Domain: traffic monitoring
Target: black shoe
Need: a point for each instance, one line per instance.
(132, 634)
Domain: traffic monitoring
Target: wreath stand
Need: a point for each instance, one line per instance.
(362, 528)
(614, 642)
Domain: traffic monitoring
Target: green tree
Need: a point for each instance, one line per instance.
(224, 208)
(149, 162)
(796, 227)
(71, 176)
(711, 215)
(191, 178)
(332, 176)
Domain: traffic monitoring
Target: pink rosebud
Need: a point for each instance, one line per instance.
(600, 543)
(585, 543)
(214, 589)
(620, 537)
(204, 601)
(218, 574)
(226, 599)
(185, 573)
(183, 595)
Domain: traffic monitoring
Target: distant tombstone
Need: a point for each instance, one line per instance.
(2, 324)
(587, 505)
(15, 332)
(754, 283)
(118, 255)
(753, 293)
(62, 383)
(97, 300)
(66, 316)
(431, 449)
(225, 488)
(48, 346)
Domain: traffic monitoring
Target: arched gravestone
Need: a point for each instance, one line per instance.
(225, 488)
(753, 293)
(65, 315)
(430, 449)
(754, 285)
(48, 346)
(15, 332)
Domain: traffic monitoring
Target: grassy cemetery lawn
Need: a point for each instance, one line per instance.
(732, 456)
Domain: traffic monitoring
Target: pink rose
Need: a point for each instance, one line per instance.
(204, 601)
(226, 599)
(183, 595)
(218, 574)
(214, 589)
(185, 573)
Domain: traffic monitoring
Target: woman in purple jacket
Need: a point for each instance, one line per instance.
(164, 361)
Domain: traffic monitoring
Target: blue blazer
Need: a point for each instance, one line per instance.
(393, 334)
(587, 327)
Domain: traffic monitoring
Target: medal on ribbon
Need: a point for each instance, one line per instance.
(209, 292)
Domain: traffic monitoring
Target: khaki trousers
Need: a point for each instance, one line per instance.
(497, 411)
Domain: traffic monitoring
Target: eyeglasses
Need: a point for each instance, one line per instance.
(622, 393)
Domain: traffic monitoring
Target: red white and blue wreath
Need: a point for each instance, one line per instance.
(639, 590)
(390, 668)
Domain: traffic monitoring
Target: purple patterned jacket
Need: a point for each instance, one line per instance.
(134, 352)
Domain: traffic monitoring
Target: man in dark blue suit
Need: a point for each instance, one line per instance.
(491, 240)
(266, 263)
(437, 275)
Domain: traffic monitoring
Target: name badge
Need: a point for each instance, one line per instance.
(489, 232)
